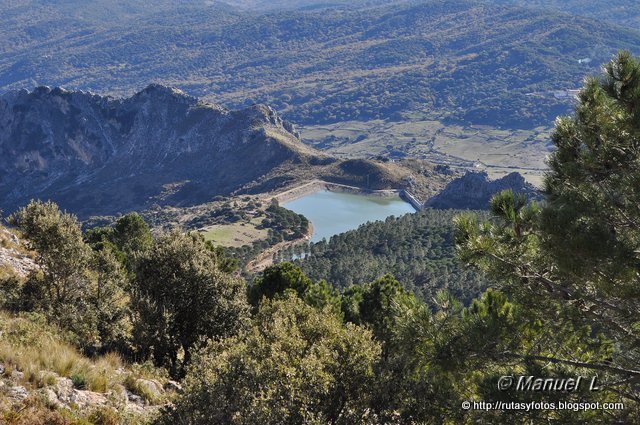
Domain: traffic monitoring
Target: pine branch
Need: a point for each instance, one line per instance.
(593, 366)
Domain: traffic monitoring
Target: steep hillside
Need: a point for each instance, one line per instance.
(45, 380)
(267, 5)
(469, 62)
(98, 154)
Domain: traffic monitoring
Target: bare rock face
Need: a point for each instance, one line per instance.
(19, 263)
(99, 155)
(84, 399)
(17, 376)
(63, 395)
(51, 397)
(474, 191)
(64, 390)
(13, 256)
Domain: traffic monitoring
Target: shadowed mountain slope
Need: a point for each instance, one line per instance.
(99, 154)
(621, 12)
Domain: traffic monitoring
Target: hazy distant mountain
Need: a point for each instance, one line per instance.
(281, 4)
(94, 154)
(457, 60)
(622, 12)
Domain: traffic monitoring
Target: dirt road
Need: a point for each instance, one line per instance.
(265, 259)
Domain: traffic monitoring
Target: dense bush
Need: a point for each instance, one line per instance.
(294, 365)
(181, 298)
(80, 289)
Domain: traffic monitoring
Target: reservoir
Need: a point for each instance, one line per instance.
(332, 213)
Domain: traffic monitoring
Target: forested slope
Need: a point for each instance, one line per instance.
(467, 61)
(621, 12)
(418, 249)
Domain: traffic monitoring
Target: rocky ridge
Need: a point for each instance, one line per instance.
(98, 154)
(474, 190)
(60, 393)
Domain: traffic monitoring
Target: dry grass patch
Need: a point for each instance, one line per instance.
(42, 354)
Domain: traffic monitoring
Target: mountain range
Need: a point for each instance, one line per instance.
(99, 154)
(620, 12)
(462, 61)
(471, 62)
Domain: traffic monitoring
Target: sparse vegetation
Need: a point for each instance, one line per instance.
(498, 151)
(282, 225)
(38, 355)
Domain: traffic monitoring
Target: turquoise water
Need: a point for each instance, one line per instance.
(332, 213)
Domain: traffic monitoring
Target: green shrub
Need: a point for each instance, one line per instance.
(79, 381)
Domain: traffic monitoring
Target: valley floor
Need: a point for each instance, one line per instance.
(496, 151)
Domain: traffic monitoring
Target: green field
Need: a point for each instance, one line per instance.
(236, 234)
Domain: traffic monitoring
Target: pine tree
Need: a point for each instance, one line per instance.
(575, 259)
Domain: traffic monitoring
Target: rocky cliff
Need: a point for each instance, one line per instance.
(98, 155)
(474, 190)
